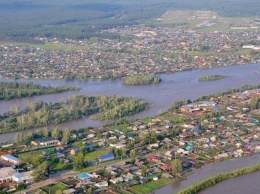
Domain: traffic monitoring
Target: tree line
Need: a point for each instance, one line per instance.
(203, 184)
(13, 90)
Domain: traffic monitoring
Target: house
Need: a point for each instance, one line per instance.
(117, 180)
(73, 151)
(25, 177)
(11, 159)
(91, 136)
(60, 155)
(220, 156)
(118, 145)
(169, 155)
(247, 151)
(106, 157)
(152, 158)
(45, 142)
(166, 167)
(102, 184)
(153, 146)
(6, 174)
(89, 147)
(128, 177)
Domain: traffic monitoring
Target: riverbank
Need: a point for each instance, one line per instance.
(208, 171)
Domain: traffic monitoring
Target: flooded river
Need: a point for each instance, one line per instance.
(174, 86)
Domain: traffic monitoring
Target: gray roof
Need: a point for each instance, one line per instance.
(12, 158)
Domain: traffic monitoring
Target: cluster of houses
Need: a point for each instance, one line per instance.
(128, 57)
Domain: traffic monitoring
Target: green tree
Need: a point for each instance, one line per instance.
(55, 133)
(144, 170)
(133, 155)
(19, 138)
(79, 161)
(90, 190)
(41, 172)
(15, 109)
(176, 166)
(254, 102)
(21, 186)
(66, 136)
(45, 132)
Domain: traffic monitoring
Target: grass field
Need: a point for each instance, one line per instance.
(151, 186)
(188, 19)
(54, 187)
(95, 154)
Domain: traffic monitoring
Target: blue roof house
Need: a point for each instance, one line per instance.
(188, 148)
(197, 128)
(90, 147)
(59, 154)
(106, 157)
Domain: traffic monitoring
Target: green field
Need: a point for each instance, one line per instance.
(150, 186)
(23, 20)
(52, 188)
(207, 21)
(95, 154)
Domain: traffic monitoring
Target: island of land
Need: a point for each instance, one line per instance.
(42, 114)
(211, 77)
(141, 80)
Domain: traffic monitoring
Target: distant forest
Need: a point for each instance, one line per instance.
(80, 19)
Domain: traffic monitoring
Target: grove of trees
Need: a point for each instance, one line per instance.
(38, 114)
(12, 90)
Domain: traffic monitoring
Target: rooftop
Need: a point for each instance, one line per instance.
(10, 157)
(7, 172)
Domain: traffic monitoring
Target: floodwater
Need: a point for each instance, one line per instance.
(232, 186)
(174, 86)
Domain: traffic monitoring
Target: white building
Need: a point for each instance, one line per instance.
(11, 159)
(6, 174)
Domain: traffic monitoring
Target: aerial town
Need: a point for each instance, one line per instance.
(135, 157)
(135, 50)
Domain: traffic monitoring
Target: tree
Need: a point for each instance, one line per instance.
(15, 109)
(254, 102)
(132, 155)
(143, 170)
(66, 136)
(79, 161)
(44, 132)
(19, 138)
(41, 172)
(55, 133)
(176, 166)
(21, 186)
(90, 190)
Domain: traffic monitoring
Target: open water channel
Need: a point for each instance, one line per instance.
(174, 86)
